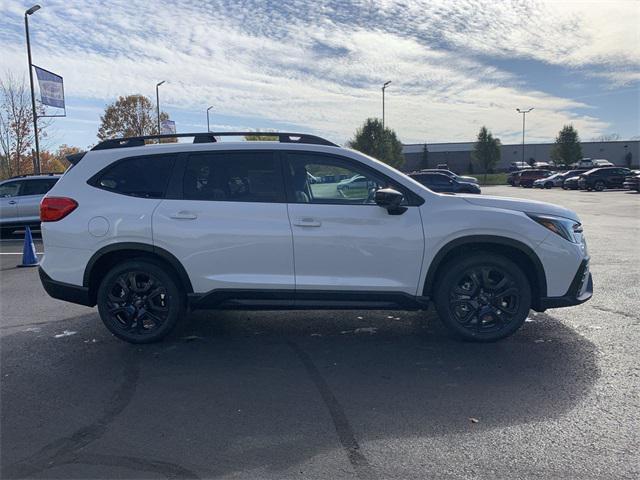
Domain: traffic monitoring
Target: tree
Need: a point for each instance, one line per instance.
(130, 116)
(567, 149)
(424, 160)
(378, 142)
(608, 137)
(16, 127)
(261, 138)
(486, 151)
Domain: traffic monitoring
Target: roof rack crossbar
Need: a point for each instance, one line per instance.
(210, 137)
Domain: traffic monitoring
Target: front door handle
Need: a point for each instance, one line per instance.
(307, 222)
(12, 202)
(183, 215)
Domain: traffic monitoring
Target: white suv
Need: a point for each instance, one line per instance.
(148, 231)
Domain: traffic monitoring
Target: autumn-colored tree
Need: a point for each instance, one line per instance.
(261, 138)
(56, 162)
(16, 127)
(130, 116)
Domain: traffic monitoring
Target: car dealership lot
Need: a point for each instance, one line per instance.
(332, 394)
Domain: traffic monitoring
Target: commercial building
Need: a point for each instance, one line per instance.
(458, 155)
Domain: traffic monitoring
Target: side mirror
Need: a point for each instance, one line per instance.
(390, 199)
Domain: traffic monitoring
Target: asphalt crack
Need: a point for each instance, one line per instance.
(341, 423)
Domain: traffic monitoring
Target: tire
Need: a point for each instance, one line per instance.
(466, 300)
(548, 185)
(146, 312)
(599, 186)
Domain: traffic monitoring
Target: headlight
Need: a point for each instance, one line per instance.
(568, 229)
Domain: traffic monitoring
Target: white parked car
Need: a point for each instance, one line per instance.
(148, 231)
(593, 163)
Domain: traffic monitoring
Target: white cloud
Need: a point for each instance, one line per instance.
(321, 66)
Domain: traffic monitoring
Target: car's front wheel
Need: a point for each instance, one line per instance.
(483, 297)
(140, 302)
(599, 186)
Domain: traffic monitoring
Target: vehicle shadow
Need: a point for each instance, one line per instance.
(266, 391)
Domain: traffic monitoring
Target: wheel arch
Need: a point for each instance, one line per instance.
(515, 250)
(101, 261)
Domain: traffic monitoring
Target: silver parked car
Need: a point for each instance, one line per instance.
(20, 200)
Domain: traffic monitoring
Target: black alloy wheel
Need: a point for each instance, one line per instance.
(483, 298)
(599, 186)
(139, 302)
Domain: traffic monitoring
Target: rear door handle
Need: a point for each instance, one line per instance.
(183, 215)
(307, 222)
(12, 202)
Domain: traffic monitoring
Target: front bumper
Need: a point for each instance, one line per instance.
(580, 290)
(65, 291)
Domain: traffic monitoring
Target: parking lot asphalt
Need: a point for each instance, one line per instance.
(331, 394)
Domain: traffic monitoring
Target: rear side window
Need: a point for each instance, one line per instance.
(145, 177)
(234, 177)
(37, 187)
(9, 189)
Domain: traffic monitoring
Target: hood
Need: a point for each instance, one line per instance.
(520, 205)
(467, 179)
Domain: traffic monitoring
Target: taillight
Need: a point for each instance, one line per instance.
(53, 209)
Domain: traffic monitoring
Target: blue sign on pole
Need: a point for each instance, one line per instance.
(51, 88)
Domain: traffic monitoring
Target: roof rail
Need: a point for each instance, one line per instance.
(210, 137)
(43, 174)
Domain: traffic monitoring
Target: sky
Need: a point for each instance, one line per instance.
(318, 66)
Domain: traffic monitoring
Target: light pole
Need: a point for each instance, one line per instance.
(524, 114)
(158, 103)
(208, 129)
(36, 160)
(384, 87)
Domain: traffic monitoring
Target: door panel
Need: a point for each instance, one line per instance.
(31, 193)
(29, 208)
(356, 247)
(9, 201)
(229, 226)
(342, 240)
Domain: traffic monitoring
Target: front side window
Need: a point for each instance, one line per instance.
(37, 187)
(9, 189)
(145, 177)
(234, 177)
(317, 178)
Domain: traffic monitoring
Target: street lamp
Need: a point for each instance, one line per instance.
(386, 84)
(524, 113)
(158, 103)
(36, 161)
(208, 129)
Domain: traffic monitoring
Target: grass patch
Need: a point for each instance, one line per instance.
(492, 178)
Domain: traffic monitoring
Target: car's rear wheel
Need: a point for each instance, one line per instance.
(140, 302)
(483, 298)
(599, 186)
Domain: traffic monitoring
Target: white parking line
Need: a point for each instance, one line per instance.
(18, 253)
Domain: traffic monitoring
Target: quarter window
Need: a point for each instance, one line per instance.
(234, 177)
(145, 177)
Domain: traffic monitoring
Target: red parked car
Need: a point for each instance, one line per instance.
(527, 177)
